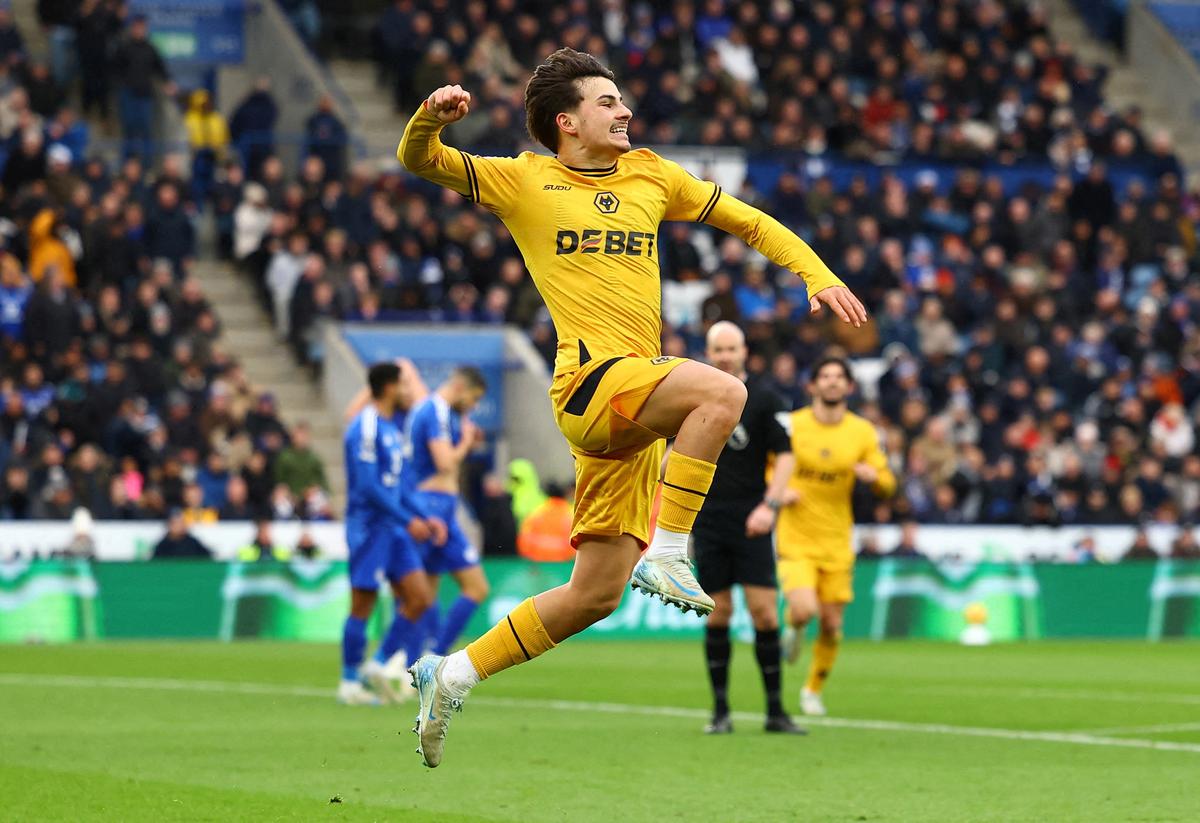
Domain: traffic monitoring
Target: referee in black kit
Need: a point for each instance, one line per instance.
(732, 535)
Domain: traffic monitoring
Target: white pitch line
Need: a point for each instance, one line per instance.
(1048, 693)
(852, 723)
(269, 689)
(1161, 728)
(163, 684)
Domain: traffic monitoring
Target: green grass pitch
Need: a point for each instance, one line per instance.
(604, 732)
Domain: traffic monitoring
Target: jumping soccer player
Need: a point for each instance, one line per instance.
(587, 221)
(732, 538)
(833, 449)
(381, 526)
(441, 435)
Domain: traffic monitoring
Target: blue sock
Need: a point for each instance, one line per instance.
(397, 635)
(425, 628)
(456, 620)
(354, 643)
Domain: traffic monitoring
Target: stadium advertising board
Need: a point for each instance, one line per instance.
(306, 600)
(124, 540)
(196, 31)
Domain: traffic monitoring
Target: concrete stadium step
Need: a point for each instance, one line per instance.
(248, 335)
(1124, 86)
(379, 125)
(375, 111)
(25, 15)
(247, 340)
(356, 75)
(239, 314)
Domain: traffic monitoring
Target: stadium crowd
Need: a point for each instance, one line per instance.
(115, 394)
(1037, 341)
(883, 81)
(1040, 361)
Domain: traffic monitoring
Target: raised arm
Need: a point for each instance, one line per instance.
(410, 378)
(421, 149)
(357, 404)
(490, 181)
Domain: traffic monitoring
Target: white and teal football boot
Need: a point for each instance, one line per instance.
(438, 700)
(671, 579)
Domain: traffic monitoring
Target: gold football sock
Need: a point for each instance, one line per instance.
(685, 485)
(518, 637)
(824, 654)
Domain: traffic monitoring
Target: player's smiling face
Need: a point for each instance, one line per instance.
(603, 117)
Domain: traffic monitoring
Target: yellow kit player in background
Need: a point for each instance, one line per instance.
(833, 449)
(586, 222)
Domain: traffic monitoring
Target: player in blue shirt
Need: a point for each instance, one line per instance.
(441, 435)
(383, 526)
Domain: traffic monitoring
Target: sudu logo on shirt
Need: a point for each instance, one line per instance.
(597, 241)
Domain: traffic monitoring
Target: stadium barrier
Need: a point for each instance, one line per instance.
(54, 601)
(135, 540)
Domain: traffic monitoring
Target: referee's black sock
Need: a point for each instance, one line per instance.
(717, 649)
(769, 654)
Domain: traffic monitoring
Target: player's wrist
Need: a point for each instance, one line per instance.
(772, 503)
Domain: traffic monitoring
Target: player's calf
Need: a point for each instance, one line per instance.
(710, 402)
(665, 571)
(442, 683)
(534, 627)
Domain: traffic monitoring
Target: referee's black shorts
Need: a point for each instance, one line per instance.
(725, 555)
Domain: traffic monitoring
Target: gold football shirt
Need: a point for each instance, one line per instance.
(590, 236)
(820, 523)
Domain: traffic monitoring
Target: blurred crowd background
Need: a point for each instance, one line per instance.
(1028, 253)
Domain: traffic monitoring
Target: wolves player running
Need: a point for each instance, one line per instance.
(381, 525)
(586, 221)
(833, 449)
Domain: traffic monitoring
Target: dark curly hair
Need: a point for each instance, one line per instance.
(554, 89)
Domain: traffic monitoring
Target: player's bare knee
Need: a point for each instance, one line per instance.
(415, 605)
(417, 600)
(721, 615)
(596, 605)
(726, 401)
(799, 614)
(477, 592)
(764, 620)
(362, 603)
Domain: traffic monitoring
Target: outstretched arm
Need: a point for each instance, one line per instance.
(703, 202)
(778, 244)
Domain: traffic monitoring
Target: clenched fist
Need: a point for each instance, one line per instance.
(449, 103)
